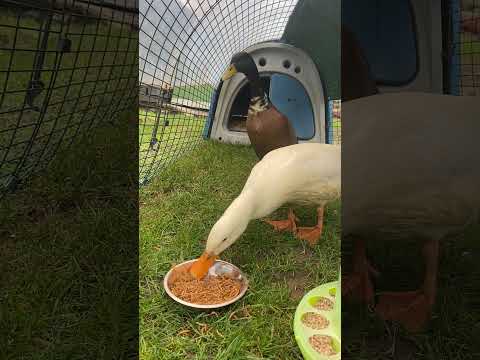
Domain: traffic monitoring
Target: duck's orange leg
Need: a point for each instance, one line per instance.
(285, 225)
(412, 309)
(358, 284)
(312, 234)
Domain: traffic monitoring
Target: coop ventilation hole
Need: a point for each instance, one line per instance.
(262, 62)
(287, 64)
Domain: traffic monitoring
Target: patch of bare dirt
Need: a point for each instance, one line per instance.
(296, 283)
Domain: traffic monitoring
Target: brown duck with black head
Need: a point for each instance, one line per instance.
(267, 128)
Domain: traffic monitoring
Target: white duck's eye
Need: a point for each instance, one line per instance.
(224, 239)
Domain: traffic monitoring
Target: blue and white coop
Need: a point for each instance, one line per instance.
(292, 83)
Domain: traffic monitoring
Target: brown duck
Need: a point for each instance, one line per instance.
(268, 129)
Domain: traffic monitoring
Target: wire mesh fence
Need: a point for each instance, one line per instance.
(185, 46)
(65, 67)
(335, 122)
(465, 47)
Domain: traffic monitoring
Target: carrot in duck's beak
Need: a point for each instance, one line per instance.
(200, 267)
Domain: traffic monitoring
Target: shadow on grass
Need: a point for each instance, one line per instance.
(69, 253)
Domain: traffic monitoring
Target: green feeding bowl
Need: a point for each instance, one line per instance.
(317, 323)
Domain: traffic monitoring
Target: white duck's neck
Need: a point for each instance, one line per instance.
(243, 206)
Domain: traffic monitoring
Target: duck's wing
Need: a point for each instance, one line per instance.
(269, 130)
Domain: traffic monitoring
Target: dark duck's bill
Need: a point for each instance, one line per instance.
(232, 70)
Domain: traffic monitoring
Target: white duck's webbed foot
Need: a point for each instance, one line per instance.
(312, 234)
(412, 309)
(285, 225)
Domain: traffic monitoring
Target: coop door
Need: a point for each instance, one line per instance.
(290, 98)
(386, 32)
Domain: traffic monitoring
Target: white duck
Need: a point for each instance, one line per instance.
(303, 174)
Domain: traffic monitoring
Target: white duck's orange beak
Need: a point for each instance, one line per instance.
(200, 267)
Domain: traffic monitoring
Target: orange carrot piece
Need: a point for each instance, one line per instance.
(200, 267)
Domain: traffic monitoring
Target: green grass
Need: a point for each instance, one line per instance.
(177, 211)
(469, 44)
(201, 92)
(470, 63)
(336, 132)
(182, 133)
(68, 254)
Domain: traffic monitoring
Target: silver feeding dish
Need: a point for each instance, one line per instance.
(219, 268)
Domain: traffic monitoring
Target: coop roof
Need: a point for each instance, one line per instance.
(314, 27)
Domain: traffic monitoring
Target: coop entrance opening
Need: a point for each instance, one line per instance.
(237, 119)
(289, 97)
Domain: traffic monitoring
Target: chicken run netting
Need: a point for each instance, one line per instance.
(69, 65)
(185, 46)
(65, 67)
